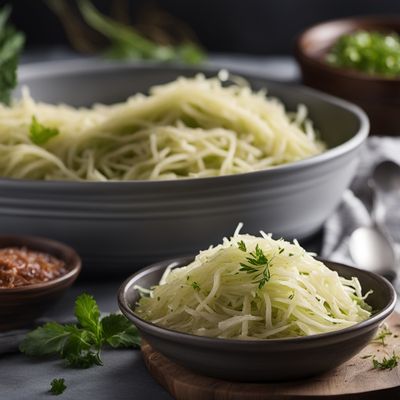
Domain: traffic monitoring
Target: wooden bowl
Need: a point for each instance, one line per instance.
(377, 95)
(20, 306)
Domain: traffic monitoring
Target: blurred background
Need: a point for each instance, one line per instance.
(258, 27)
(256, 37)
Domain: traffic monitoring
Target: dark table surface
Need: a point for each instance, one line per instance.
(123, 375)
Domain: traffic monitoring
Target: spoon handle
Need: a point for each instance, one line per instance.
(378, 211)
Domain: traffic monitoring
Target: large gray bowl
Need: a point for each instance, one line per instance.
(118, 226)
(261, 360)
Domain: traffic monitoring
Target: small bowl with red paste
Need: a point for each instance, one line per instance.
(34, 273)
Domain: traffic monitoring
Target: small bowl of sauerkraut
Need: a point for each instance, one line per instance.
(257, 302)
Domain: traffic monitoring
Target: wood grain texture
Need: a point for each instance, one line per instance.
(353, 380)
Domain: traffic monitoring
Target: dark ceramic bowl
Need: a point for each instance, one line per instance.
(20, 306)
(262, 360)
(378, 96)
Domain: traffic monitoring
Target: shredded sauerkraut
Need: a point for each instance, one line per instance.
(189, 128)
(252, 287)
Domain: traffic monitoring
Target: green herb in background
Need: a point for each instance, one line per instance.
(125, 42)
(11, 44)
(57, 386)
(371, 52)
(80, 344)
(40, 134)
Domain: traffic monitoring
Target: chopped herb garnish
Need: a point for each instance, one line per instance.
(258, 259)
(386, 363)
(372, 52)
(291, 296)
(366, 356)
(40, 134)
(249, 269)
(195, 286)
(242, 246)
(80, 344)
(382, 335)
(291, 254)
(57, 386)
(281, 250)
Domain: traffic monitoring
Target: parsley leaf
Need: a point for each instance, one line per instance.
(85, 359)
(57, 386)
(47, 339)
(242, 245)
(81, 349)
(382, 334)
(88, 314)
(248, 268)
(80, 344)
(386, 363)
(40, 134)
(258, 259)
(195, 286)
(118, 332)
(11, 44)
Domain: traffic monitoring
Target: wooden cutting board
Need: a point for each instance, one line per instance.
(353, 380)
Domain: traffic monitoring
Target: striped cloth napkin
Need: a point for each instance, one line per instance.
(354, 210)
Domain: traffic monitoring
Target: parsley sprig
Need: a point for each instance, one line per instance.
(386, 363)
(195, 286)
(259, 264)
(382, 335)
(57, 386)
(80, 344)
(41, 134)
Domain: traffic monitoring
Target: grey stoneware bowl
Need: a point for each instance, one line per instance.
(117, 226)
(262, 360)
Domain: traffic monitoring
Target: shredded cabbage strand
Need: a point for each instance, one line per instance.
(214, 296)
(189, 128)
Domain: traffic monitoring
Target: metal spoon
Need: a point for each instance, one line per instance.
(386, 176)
(371, 247)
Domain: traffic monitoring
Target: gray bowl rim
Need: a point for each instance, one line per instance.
(57, 68)
(176, 335)
(74, 268)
